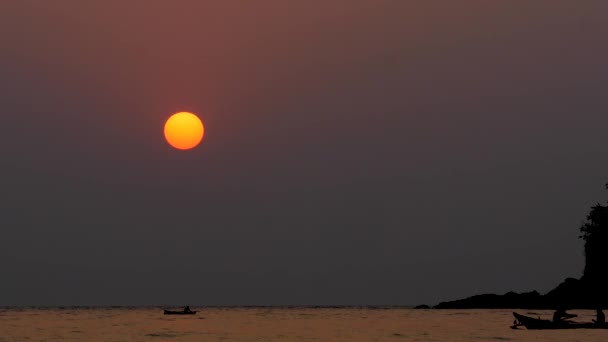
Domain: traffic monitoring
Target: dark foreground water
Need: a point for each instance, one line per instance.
(274, 324)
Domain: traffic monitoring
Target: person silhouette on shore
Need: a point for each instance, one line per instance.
(600, 317)
(187, 309)
(561, 316)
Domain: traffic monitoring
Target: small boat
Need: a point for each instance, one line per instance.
(532, 323)
(169, 312)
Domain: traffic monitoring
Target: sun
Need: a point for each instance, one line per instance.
(184, 130)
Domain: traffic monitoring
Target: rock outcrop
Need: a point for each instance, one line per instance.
(570, 294)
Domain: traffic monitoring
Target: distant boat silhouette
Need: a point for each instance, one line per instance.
(532, 323)
(186, 311)
(169, 312)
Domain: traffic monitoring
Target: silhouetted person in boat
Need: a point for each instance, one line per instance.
(187, 309)
(561, 316)
(600, 317)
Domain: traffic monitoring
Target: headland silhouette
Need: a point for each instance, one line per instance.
(588, 292)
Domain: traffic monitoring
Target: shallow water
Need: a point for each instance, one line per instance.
(278, 324)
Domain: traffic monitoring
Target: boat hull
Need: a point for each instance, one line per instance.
(543, 324)
(169, 312)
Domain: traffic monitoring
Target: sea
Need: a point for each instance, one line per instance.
(232, 324)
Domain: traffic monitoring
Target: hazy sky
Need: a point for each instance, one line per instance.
(356, 152)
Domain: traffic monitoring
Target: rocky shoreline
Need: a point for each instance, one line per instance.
(570, 294)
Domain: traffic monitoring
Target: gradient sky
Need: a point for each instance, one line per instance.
(356, 152)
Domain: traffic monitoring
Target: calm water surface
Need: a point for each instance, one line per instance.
(274, 324)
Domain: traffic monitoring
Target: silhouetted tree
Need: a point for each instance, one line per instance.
(595, 234)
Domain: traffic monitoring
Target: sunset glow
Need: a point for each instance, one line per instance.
(184, 130)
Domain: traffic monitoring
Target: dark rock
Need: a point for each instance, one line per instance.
(570, 294)
(590, 292)
(510, 300)
(423, 306)
(567, 295)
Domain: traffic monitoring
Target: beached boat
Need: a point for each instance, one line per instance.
(169, 312)
(537, 323)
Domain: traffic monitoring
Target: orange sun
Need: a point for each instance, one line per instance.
(184, 130)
